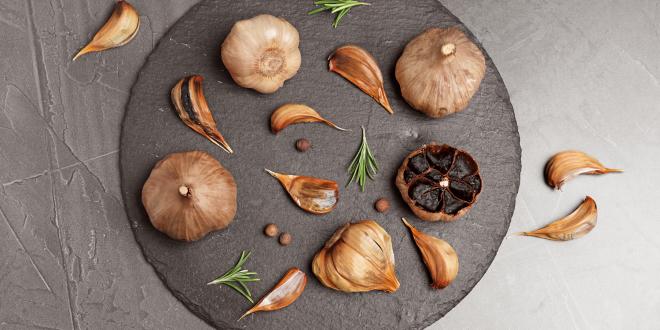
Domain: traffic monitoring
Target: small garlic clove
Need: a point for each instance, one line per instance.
(360, 68)
(440, 258)
(311, 194)
(122, 26)
(568, 164)
(283, 294)
(575, 225)
(291, 113)
(191, 106)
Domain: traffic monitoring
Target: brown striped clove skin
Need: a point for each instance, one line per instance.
(566, 165)
(292, 113)
(575, 225)
(283, 294)
(314, 195)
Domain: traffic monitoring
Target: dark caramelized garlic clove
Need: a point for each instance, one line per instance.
(360, 68)
(439, 257)
(575, 225)
(568, 164)
(292, 113)
(190, 104)
(311, 194)
(283, 294)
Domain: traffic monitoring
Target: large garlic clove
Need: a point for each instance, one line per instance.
(568, 164)
(439, 71)
(311, 194)
(283, 294)
(357, 258)
(575, 225)
(261, 53)
(122, 26)
(360, 68)
(291, 113)
(190, 104)
(440, 258)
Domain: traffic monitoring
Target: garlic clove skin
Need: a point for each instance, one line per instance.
(439, 71)
(283, 294)
(575, 225)
(360, 68)
(314, 195)
(122, 26)
(566, 165)
(262, 52)
(291, 113)
(439, 257)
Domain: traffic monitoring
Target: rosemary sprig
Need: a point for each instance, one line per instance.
(236, 277)
(339, 7)
(363, 165)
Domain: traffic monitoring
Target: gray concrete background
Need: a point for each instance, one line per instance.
(581, 74)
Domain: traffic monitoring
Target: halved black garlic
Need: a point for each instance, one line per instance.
(439, 182)
(190, 104)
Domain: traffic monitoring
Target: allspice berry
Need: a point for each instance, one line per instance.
(303, 145)
(382, 205)
(271, 230)
(285, 239)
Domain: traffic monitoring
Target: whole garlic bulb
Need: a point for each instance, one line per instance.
(357, 258)
(262, 52)
(439, 71)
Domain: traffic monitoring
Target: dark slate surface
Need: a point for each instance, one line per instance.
(151, 130)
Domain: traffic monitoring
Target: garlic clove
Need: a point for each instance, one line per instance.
(568, 164)
(283, 294)
(440, 258)
(191, 106)
(122, 26)
(360, 68)
(261, 53)
(291, 113)
(357, 258)
(311, 194)
(575, 225)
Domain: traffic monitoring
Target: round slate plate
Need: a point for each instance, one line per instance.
(487, 129)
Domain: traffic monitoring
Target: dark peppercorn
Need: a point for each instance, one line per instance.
(382, 205)
(303, 145)
(271, 230)
(285, 239)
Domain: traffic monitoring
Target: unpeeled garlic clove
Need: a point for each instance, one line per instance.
(283, 294)
(190, 104)
(360, 68)
(292, 113)
(440, 258)
(311, 194)
(568, 164)
(575, 225)
(122, 26)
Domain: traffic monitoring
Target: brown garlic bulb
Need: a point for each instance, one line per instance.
(262, 52)
(188, 195)
(357, 258)
(439, 71)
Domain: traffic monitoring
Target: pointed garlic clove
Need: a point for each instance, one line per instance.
(283, 294)
(440, 258)
(122, 26)
(190, 104)
(568, 164)
(360, 68)
(311, 194)
(575, 225)
(291, 113)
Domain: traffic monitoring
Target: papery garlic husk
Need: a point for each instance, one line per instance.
(262, 52)
(360, 68)
(439, 71)
(292, 113)
(439, 257)
(122, 26)
(191, 106)
(568, 164)
(357, 258)
(188, 195)
(283, 294)
(575, 225)
(311, 194)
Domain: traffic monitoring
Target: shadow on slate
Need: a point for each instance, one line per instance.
(151, 130)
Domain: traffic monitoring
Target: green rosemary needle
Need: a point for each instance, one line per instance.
(236, 278)
(338, 7)
(363, 165)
